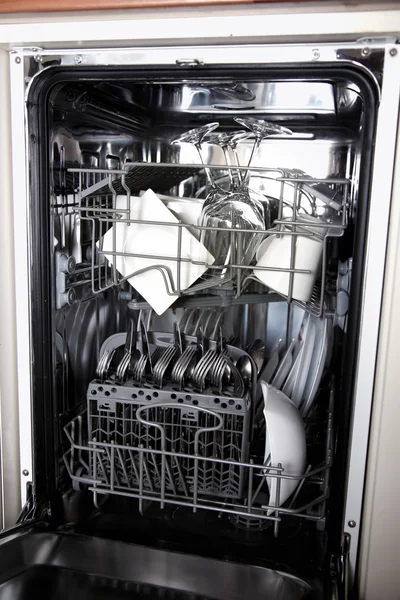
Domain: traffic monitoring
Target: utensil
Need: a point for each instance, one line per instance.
(145, 344)
(139, 367)
(162, 365)
(238, 385)
(257, 353)
(178, 371)
(286, 443)
(244, 367)
(202, 368)
(128, 351)
(217, 371)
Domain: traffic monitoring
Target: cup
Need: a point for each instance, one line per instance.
(275, 253)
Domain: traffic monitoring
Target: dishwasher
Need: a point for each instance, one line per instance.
(199, 241)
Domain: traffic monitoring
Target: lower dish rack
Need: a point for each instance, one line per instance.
(166, 447)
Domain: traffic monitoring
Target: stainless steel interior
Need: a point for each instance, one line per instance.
(58, 566)
(101, 132)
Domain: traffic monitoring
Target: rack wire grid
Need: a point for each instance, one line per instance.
(178, 423)
(179, 453)
(97, 204)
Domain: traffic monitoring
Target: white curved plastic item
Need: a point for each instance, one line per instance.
(286, 442)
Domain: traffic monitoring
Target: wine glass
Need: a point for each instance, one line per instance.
(232, 210)
(195, 137)
(229, 140)
(261, 129)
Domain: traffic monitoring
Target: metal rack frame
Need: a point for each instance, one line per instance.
(96, 203)
(99, 463)
(82, 457)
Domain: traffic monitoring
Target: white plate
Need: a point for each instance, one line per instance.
(304, 365)
(268, 371)
(286, 442)
(284, 367)
(157, 240)
(320, 353)
(291, 378)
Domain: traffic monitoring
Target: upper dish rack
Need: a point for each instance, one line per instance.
(288, 196)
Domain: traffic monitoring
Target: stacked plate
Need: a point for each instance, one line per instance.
(288, 386)
(298, 372)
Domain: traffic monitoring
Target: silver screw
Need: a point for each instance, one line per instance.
(18, 60)
(316, 54)
(352, 524)
(25, 472)
(393, 51)
(365, 51)
(78, 59)
(38, 58)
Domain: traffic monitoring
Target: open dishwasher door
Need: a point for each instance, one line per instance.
(163, 291)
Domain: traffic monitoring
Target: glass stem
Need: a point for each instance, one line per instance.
(226, 154)
(206, 169)
(239, 173)
(255, 148)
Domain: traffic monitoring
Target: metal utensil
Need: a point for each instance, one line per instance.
(257, 352)
(238, 385)
(202, 368)
(178, 372)
(162, 365)
(130, 344)
(244, 367)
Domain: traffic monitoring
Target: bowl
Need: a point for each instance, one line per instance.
(285, 443)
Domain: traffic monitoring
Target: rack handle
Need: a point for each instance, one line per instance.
(180, 406)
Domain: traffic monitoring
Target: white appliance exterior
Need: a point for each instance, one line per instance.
(155, 38)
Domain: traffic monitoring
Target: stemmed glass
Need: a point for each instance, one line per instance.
(195, 137)
(261, 130)
(229, 140)
(238, 208)
(233, 210)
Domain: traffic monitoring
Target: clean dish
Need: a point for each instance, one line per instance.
(291, 378)
(266, 375)
(284, 367)
(187, 210)
(156, 284)
(286, 442)
(275, 253)
(305, 362)
(323, 329)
